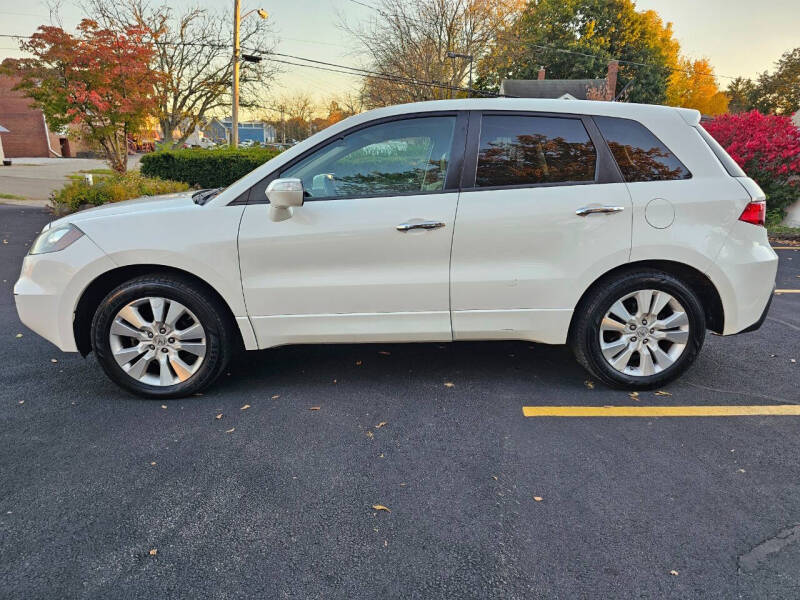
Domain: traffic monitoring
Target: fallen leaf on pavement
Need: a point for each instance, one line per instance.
(494, 477)
(381, 424)
(634, 396)
(231, 430)
(370, 435)
(245, 407)
(153, 552)
(219, 416)
(22, 402)
(662, 393)
(673, 572)
(742, 471)
(164, 406)
(276, 396)
(19, 335)
(315, 408)
(380, 507)
(589, 384)
(358, 363)
(538, 498)
(792, 360)
(53, 360)
(449, 384)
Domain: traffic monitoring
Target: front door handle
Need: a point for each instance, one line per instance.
(586, 210)
(420, 225)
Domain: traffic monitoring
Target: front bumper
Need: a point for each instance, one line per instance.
(50, 286)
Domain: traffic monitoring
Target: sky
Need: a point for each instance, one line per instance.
(740, 38)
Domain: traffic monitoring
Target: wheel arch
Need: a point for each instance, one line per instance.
(99, 288)
(699, 283)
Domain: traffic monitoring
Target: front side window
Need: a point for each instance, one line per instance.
(522, 150)
(398, 157)
(640, 155)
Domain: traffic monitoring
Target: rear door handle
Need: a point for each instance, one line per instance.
(420, 225)
(587, 210)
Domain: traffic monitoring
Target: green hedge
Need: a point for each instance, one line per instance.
(112, 188)
(205, 168)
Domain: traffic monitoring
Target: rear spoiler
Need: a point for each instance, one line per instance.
(690, 115)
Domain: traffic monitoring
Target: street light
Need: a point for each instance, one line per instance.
(236, 52)
(466, 57)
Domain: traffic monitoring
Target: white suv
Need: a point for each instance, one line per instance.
(623, 230)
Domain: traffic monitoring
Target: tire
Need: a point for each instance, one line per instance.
(146, 337)
(657, 351)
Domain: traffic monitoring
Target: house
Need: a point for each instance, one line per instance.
(219, 130)
(28, 134)
(568, 89)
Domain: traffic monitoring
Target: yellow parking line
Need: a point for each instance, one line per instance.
(786, 247)
(660, 411)
(787, 291)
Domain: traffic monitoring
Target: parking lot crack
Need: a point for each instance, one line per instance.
(753, 559)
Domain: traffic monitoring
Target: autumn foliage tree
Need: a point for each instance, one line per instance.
(767, 147)
(99, 80)
(692, 84)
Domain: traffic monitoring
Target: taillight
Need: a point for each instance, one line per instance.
(755, 213)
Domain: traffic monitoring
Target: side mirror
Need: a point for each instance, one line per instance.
(283, 195)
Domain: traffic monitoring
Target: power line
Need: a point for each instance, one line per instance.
(540, 46)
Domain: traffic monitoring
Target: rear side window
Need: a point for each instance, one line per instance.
(733, 169)
(640, 155)
(522, 150)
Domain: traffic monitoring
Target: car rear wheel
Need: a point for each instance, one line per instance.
(639, 331)
(161, 337)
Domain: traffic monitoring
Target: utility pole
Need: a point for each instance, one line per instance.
(237, 5)
(237, 18)
(468, 57)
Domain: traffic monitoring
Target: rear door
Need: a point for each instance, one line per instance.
(542, 213)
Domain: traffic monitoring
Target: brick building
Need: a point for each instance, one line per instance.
(28, 134)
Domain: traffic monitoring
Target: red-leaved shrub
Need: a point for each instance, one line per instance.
(767, 147)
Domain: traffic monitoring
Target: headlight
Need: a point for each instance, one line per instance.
(55, 239)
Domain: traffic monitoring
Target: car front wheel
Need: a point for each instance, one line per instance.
(639, 331)
(160, 337)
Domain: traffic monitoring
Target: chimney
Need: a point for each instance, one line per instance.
(541, 73)
(611, 79)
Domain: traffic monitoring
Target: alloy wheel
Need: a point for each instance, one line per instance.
(157, 341)
(644, 332)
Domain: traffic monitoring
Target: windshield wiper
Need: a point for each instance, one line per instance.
(202, 196)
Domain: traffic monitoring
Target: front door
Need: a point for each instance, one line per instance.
(367, 257)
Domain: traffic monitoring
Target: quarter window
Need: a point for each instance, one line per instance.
(521, 150)
(640, 155)
(398, 157)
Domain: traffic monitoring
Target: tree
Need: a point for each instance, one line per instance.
(575, 39)
(779, 92)
(693, 85)
(767, 147)
(742, 94)
(193, 50)
(408, 41)
(100, 80)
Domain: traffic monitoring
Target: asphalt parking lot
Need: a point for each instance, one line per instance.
(103, 495)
